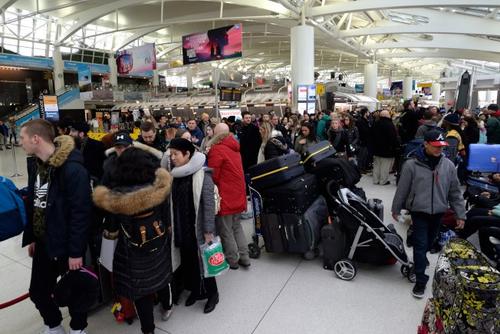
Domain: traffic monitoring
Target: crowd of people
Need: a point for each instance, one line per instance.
(182, 183)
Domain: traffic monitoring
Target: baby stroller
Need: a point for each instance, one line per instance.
(368, 239)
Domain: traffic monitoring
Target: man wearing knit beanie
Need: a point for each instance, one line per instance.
(493, 125)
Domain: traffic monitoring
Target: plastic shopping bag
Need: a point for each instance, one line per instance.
(214, 261)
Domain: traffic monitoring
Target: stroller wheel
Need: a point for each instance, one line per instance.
(345, 269)
(309, 255)
(253, 251)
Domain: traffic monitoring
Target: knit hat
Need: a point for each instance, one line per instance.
(453, 119)
(80, 127)
(182, 144)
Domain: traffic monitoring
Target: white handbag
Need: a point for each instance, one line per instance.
(108, 247)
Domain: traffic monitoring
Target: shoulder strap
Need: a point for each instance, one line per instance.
(198, 178)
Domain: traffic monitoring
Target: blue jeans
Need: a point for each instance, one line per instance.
(425, 231)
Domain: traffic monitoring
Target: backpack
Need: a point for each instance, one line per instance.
(12, 210)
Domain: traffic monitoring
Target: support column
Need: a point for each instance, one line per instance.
(113, 72)
(449, 96)
(301, 58)
(474, 102)
(436, 91)
(408, 88)
(58, 70)
(189, 78)
(371, 78)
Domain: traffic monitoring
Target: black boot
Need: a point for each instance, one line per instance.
(191, 299)
(213, 300)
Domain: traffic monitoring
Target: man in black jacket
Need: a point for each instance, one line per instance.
(58, 210)
(364, 152)
(250, 141)
(150, 137)
(385, 144)
(92, 150)
(408, 124)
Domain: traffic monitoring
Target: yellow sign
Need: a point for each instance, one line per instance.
(424, 85)
(320, 89)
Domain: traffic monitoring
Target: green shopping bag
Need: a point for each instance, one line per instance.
(214, 261)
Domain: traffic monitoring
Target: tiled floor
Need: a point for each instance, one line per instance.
(278, 294)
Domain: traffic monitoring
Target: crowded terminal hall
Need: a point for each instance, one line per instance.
(250, 167)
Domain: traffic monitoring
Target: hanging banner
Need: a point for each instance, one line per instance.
(137, 60)
(85, 82)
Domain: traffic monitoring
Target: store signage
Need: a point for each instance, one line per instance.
(137, 60)
(51, 107)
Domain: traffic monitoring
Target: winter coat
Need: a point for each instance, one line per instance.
(321, 129)
(225, 160)
(302, 148)
(493, 130)
(158, 144)
(343, 144)
(93, 157)
(364, 131)
(139, 272)
(250, 141)
(204, 201)
(197, 136)
(353, 136)
(275, 147)
(69, 203)
(421, 189)
(408, 125)
(471, 134)
(425, 127)
(385, 138)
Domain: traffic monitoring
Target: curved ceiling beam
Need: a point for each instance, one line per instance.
(440, 23)
(88, 16)
(4, 4)
(367, 5)
(443, 41)
(443, 54)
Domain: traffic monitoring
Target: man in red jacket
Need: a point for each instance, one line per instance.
(225, 160)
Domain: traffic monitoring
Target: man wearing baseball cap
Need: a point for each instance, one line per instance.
(427, 187)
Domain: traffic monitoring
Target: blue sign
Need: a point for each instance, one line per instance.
(32, 115)
(22, 61)
(68, 97)
(99, 68)
(359, 88)
(78, 67)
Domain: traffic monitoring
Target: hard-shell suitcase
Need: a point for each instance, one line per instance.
(466, 290)
(276, 171)
(295, 196)
(484, 158)
(333, 242)
(272, 232)
(317, 152)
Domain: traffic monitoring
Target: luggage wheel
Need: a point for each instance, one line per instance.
(408, 271)
(309, 255)
(253, 251)
(345, 269)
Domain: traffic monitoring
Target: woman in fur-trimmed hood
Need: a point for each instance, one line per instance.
(193, 213)
(139, 208)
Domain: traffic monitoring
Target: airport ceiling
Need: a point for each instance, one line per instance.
(405, 37)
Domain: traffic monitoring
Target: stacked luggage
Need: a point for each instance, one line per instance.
(293, 210)
(466, 293)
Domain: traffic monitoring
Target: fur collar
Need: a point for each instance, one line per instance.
(137, 200)
(217, 139)
(195, 164)
(158, 154)
(64, 146)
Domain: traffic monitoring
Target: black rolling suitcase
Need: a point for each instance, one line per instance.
(295, 233)
(333, 242)
(317, 152)
(294, 196)
(273, 234)
(276, 171)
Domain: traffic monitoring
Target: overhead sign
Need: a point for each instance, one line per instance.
(215, 44)
(51, 109)
(141, 59)
(229, 112)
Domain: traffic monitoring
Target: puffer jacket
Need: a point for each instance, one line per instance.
(225, 160)
(421, 189)
(69, 202)
(139, 272)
